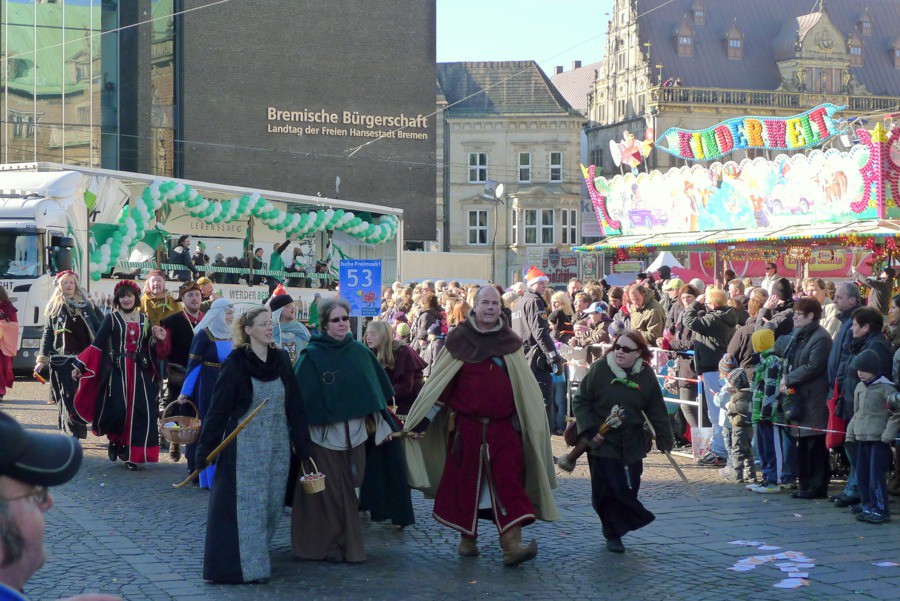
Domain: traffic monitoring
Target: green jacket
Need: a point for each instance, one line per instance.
(597, 395)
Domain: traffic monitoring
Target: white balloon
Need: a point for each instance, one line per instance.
(178, 189)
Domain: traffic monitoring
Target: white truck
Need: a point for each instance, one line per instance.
(105, 225)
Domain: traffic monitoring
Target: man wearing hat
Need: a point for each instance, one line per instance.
(29, 464)
(288, 334)
(529, 321)
(207, 294)
(176, 346)
(670, 289)
(157, 303)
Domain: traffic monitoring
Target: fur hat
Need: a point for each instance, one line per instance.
(738, 379)
(727, 364)
(187, 287)
(535, 276)
(867, 361)
(279, 301)
(762, 340)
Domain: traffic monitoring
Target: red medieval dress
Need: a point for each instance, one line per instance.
(118, 390)
(484, 473)
(9, 345)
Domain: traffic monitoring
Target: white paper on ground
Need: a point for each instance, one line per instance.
(742, 568)
(791, 583)
(746, 543)
(799, 574)
(886, 564)
(769, 548)
(805, 566)
(790, 568)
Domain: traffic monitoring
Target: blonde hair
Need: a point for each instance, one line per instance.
(246, 319)
(58, 301)
(385, 349)
(716, 297)
(563, 299)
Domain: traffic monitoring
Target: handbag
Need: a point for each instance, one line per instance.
(792, 407)
(570, 434)
(837, 426)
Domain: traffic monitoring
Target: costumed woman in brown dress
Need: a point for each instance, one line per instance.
(345, 391)
(119, 381)
(621, 378)
(72, 320)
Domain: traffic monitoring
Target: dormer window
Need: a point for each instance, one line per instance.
(684, 38)
(856, 51)
(698, 11)
(865, 23)
(734, 42)
(895, 52)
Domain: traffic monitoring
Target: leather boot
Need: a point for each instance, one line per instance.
(175, 452)
(514, 552)
(468, 547)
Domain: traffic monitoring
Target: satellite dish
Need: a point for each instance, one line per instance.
(615, 152)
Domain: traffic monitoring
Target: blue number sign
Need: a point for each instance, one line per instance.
(361, 286)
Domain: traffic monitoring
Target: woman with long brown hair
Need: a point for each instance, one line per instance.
(402, 364)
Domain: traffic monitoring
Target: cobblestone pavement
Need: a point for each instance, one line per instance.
(131, 533)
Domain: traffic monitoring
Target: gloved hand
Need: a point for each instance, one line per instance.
(559, 365)
(421, 426)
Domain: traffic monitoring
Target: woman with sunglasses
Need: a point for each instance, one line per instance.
(624, 379)
(345, 392)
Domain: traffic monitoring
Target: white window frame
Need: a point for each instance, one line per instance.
(514, 227)
(569, 226)
(556, 168)
(478, 170)
(548, 226)
(530, 229)
(525, 168)
(479, 229)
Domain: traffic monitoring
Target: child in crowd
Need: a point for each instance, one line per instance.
(721, 398)
(873, 427)
(742, 467)
(764, 396)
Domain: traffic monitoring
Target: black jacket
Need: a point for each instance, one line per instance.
(805, 369)
(878, 343)
(713, 331)
(182, 256)
(529, 321)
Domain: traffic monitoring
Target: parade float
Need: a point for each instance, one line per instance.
(814, 212)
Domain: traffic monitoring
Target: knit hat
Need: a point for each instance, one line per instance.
(867, 361)
(535, 276)
(402, 329)
(762, 340)
(782, 289)
(698, 284)
(727, 364)
(615, 328)
(279, 301)
(738, 379)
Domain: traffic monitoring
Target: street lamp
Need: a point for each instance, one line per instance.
(493, 193)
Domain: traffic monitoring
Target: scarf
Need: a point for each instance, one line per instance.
(622, 377)
(265, 371)
(469, 344)
(340, 380)
(214, 320)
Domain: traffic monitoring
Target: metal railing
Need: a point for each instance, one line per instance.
(764, 99)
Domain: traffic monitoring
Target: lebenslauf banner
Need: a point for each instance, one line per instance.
(806, 130)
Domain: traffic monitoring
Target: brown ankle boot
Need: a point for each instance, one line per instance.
(468, 547)
(175, 452)
(514, 552)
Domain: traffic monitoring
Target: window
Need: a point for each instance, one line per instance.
(856, 55)
(685, 45)
(524, 167)
(569, 226)
(477, 167)
(539, 226)
(478, 227)
(735, 49)
(514, 227)
(597, 159)
(555, 166)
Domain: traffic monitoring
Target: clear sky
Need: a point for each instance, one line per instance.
(551, 32)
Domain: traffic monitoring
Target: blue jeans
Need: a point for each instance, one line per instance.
(710, 388)
(560, 397)
(852, 488)
(873, 461)
(768, 459)
(789, 456)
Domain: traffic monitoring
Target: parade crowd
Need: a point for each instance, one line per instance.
(456, 391)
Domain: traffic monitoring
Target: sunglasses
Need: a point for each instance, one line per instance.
(40, 495)
(624, 349)
(339, 319)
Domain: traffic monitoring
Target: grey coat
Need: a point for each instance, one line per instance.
(806, 370)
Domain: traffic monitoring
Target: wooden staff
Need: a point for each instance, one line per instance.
(674, 463)
(228, 440)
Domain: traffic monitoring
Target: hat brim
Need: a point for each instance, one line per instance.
(47, 460)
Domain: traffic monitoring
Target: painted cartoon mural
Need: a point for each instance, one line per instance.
(800, 189)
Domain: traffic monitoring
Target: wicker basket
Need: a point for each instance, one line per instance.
(188, 430)
(314, 481)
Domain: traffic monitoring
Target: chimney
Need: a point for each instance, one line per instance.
(557, 70)
(576, 65)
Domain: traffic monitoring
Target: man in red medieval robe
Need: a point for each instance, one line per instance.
(480, 442)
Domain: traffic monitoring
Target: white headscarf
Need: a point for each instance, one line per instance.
(215, 319)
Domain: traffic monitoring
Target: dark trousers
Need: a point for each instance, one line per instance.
(545, 381)
(768, 459)
(614, 491)
(813, 469)
(873, 461)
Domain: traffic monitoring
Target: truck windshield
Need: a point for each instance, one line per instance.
(19, 257)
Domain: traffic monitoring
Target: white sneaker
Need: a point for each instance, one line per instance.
(753, 487)
(767, 489)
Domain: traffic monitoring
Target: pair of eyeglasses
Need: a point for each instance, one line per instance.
(624, 349)
(40, 495)
(339, 319)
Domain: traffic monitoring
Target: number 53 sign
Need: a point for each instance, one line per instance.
(361, 287)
